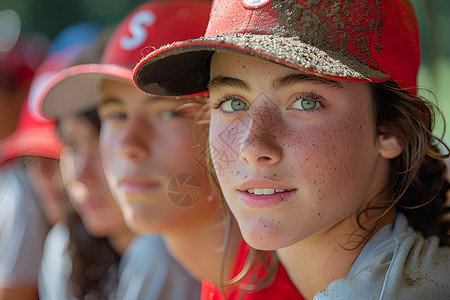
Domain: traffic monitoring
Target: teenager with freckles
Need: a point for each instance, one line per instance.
(322, 147)
(153, 162)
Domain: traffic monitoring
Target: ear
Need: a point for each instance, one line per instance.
(389, 146)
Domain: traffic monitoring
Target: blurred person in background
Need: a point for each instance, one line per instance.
(20, 55)
(92, 254)
(29, 178)
(22, 226)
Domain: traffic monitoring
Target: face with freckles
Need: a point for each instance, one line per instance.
(151, 161)
(294, 153)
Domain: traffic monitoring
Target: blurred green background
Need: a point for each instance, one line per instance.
(50, 16)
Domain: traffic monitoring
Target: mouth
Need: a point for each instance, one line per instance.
(138, 185)
(265, 197)
(265, 191)
(259, 192)
(93, 205)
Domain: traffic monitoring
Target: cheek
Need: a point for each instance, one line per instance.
(337, 160)
(107, 148)
(224, 145)
(177, 149)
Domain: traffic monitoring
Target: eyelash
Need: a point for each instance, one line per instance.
(312, 95)
(218, 103)
(172, 114)
(309, 95)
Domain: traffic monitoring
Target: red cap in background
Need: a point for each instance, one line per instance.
(35, 134)
(151, 25)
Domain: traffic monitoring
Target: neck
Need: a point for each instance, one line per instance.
(199, 246)
(121, 240)
(326, 256)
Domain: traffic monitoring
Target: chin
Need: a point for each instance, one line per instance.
(137, 225)
(264, 233)
(142, 224)
(97, 230)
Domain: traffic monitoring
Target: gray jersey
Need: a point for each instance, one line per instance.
(22, 229)
(146, 271)
(397, 263)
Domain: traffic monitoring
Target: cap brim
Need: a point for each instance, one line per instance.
(182, 68)
(76, 89)
(41, 142)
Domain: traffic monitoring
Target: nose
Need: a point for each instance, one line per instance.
(260, 147)
(135, 139)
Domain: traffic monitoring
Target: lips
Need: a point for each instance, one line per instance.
(262, 183)
(93, 203)
(264, 192)
(133, 185)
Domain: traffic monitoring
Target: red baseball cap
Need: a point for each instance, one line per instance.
(32, 137)
(358, 40)
(35, 135)
(151, 25)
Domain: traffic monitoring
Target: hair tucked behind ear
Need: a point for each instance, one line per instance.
(417, 186)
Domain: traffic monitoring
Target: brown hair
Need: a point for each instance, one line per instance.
(94, 263)
(417, 186)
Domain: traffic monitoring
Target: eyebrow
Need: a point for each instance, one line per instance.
(221, 81)
(303, 77)
(149, 100)
(109, 101)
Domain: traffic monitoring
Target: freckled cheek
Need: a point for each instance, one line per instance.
(332, 154)
(224, 144)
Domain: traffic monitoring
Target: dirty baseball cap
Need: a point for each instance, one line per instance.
(354, 40)
(154, 23)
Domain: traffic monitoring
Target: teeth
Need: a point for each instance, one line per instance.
(259, 191)
(264, 191)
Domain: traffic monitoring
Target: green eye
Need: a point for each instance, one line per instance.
(305, 104)
(169, 114)
(234, 105)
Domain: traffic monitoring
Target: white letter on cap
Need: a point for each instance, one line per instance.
(255, 3)
(138, 32)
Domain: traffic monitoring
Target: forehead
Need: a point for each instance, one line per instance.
(116, 92)
(227, 66)
(232, 64)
